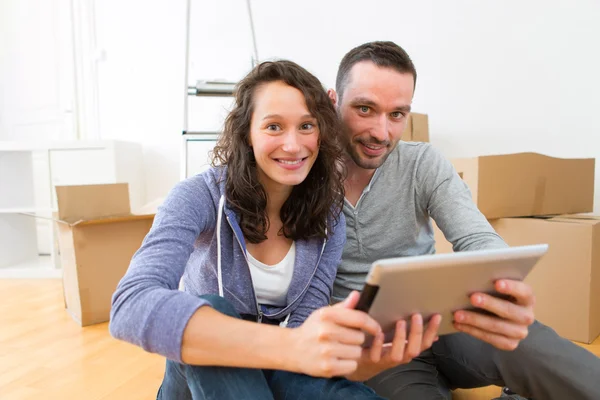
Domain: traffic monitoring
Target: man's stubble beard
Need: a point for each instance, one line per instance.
(352, 151)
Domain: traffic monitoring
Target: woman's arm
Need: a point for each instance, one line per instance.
(213, 338)
(147, 309)
(327, 344)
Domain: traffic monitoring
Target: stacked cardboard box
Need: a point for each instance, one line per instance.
(530, 198)
(417, 128)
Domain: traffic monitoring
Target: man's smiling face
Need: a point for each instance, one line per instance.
(374, 108)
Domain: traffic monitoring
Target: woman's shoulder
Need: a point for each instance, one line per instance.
(337, 222)
(197, 189)
(212, 179)
(336, 218)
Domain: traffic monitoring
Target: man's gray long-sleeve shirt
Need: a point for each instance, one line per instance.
(392, 218)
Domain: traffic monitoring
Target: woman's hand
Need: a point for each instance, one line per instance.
(329, 342)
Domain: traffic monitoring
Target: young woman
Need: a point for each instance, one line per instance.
(257, 238)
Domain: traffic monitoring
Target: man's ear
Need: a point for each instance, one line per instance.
(332, 96)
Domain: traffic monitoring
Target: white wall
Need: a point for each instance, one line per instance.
(36, 72)
(494, 76)
(140, 82)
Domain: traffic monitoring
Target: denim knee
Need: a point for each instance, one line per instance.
(221, 304)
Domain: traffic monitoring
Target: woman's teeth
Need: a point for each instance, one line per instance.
(290, 162)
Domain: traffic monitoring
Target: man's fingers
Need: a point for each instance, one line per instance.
(503, 308)
(498, 341)
(522, 292)
(376, 348)
(399, 342)
(350, 318)
(431, 333)
(492, 324)
(415, 337)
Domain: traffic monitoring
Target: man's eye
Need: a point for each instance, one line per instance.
(396, 114)
(364, 109)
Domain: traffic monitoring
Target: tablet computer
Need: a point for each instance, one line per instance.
(396, 288)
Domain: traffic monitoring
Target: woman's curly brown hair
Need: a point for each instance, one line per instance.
(305, 213)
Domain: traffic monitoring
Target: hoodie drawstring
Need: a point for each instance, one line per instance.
(219, 273)
(219, 217)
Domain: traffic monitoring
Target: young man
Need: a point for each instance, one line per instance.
(393, 188)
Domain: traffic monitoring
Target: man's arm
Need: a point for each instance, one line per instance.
(446, 198)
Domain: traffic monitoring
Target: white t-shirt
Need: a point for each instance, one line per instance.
(271, 282)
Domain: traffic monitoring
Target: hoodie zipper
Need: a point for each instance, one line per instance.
(282, 312)
(259, 312)
(310, 280)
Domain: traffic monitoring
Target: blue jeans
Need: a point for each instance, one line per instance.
(188, 382)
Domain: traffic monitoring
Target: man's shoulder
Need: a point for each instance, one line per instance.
(411, 160)
(407, 155)
(412, 149)
(418, 153)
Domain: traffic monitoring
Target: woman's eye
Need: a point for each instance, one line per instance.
(273, 127)
(307, 126)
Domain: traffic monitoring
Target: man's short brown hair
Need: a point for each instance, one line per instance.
(383, 54)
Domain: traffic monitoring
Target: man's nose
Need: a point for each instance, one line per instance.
(380, 130)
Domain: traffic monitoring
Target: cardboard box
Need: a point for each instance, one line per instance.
(528, 184)
(417, 128)
(98, 235)
(566, 282)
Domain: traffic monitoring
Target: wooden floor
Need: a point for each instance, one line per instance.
(44, 354)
